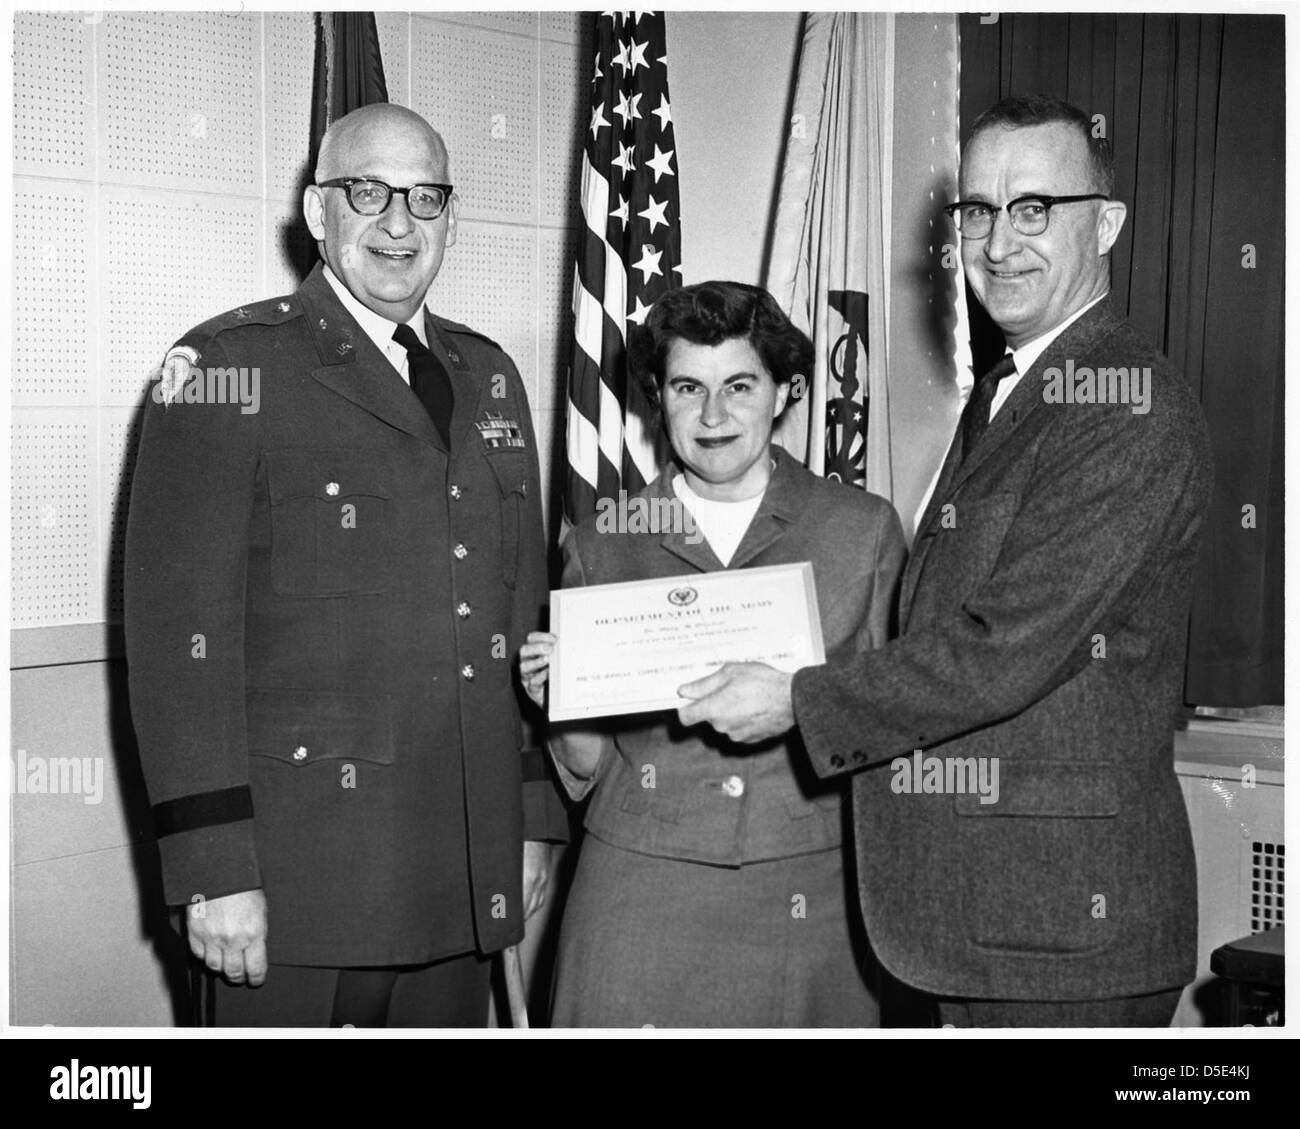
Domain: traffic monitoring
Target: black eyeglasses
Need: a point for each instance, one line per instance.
(1029, 214)
(371, 197)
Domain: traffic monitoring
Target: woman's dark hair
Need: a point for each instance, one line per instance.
(710, 313)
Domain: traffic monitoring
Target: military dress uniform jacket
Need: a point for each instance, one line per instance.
(323, 607)
(1043, 623)
(712, 801)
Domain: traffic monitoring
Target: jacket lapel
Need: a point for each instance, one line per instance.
(352, 367)
(700, 555)
(1079, 339)
(779, 509)
(777, 512)
(466, 387)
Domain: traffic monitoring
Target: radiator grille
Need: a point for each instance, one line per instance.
(1267, 885)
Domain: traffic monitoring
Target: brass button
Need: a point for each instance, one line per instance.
(331, 488)
(462, 609)
(300, 753)
(733, 786)
(455, 490)
(460, 552)
(467, 672)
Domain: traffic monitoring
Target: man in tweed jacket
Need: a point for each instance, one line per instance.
(1042, 618)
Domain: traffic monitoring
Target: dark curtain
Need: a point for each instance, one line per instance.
(1194, 107)
(349, 70)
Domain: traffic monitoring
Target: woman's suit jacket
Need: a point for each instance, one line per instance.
(689, 794)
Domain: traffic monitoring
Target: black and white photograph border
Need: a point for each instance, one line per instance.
(218, 577)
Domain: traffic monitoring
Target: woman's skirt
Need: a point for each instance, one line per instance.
(655, 942)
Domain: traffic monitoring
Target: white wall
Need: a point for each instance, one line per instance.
(730, 75)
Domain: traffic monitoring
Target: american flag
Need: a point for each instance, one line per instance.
(629, 253)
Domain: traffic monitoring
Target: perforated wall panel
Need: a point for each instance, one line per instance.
(395, 45)
(521, 23)
(568, 27)
(53, 94)
(53, 520)
(555, 315)
(180, 100)
(479, 90)
(489, 282)
(159, 161)
(53, 251)
(290, 60)
(175, 261)
(290, 249)
(563, 119)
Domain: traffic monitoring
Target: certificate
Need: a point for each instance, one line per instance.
(626, 648)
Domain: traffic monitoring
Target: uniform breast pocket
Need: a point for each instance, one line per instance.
(510, 468)
(330, 522)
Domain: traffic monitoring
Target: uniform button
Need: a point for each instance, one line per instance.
(455, 490)
(300, 753)
(837, 761)
(331, 488)
(460, 552)
(467, 672)
(462, 609)
(733, 786)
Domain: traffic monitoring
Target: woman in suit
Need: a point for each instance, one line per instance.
(711, 888)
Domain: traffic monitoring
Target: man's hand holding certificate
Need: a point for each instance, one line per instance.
(647, 645)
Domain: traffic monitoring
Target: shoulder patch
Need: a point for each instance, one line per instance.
(174, 372)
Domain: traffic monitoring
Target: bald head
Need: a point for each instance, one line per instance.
(383, 127)
(387, 261)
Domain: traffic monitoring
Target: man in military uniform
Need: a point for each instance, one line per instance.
(324, 600)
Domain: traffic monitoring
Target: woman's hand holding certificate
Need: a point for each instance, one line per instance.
(629, 648)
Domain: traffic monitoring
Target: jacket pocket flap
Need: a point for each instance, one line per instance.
(328, 474)
(1065, 789)
(301, 727)
(511, 470)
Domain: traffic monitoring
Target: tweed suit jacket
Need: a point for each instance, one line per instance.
(323, 603)
(1042, 622)
(712, 801)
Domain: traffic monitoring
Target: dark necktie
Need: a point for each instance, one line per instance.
(975, 419)
(429, 380)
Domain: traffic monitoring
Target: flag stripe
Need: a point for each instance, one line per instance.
(629, 254)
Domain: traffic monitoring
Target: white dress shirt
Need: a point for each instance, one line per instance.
(1023, 358)
(377, 327)
(722, 523)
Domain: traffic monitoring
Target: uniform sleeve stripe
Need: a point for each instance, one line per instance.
(206, 809)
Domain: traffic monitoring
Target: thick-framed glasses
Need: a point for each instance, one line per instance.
(371, 197)
(1028, 214)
